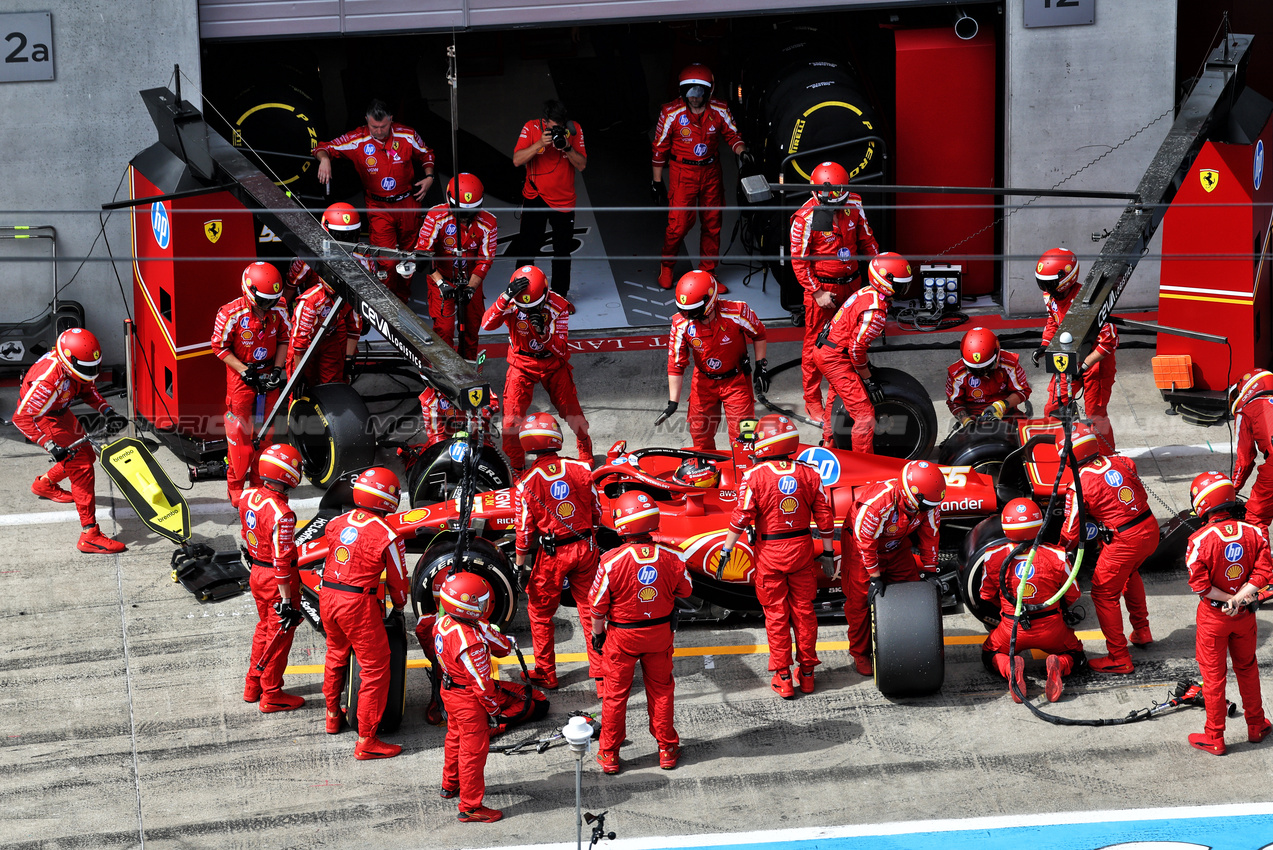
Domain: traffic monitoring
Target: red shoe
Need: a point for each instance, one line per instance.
(543, 678)
(251, 689)
(1018, 679)
(721, 289)
(1141, 637)
(805, 678)
(94, 542)
(480, 815)
(863, 665)
(781, 684)
(609, 761)
(336, 723)
(280, 700)
(1257, 734)
(374, 748)
(1203, 741)
(669, 755)
(448, 792)
(234, 497)
(1055, 683)
(665, 277)
(1109, 664)
(46, 489)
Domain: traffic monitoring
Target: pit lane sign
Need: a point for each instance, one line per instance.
(26, 52)
(1058, 13)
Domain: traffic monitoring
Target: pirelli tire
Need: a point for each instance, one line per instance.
(435, 477)
(483, 558)
(396, 699)
(906, 634)
(905, 422)
(329, 425)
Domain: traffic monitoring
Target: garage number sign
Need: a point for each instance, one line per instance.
(1059, 13)
(26, 52)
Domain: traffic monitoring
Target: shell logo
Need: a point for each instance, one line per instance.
(1027, 590)
(647, 594)
(371, 163)
(566, 510)
(788, 505)
(1233, 572)
(416, 515)
(1125, 495)
(739, 567)
(342, 555)
(251, 538)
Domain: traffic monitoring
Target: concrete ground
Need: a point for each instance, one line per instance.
(125, 726)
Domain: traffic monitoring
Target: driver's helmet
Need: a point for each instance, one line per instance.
(697, 472)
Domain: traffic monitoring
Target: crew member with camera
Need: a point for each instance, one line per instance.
(986, 382)
(552, 149)
(340, 341)
(538, 324)
(460, 236)
(249, 335)
(49, 388)
(1251, 404)
(829, 236)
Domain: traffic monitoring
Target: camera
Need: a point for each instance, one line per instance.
(561, 137)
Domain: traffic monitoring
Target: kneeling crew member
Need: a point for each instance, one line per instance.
(782, 499)
(985, 382)
(633, 600)
(1228, 562)
(1045, 629)
(1252, 407)
(361, 546)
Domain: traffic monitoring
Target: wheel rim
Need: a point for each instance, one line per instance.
(899, 429)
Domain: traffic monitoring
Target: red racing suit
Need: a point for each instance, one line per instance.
(1045, 630)
(782, 499)
(442, 420)
(537, 358)
(826, 260)
(239, 329)
(879, 544)
(1255, 433)
(722, 371)
(691, 143)
(635, 590)
(555, 498)
(460, 252)
(470, 697)
(360, 546)
(1113, 496)
(327, 363)
(387, 172)
(1098, 382)
(1227, 554)
(43, 414)
(268, 526)
(858, 323)
(968, 394)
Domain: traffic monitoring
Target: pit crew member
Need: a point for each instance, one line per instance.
(1252, 407)
(985, 382)
(340, 342)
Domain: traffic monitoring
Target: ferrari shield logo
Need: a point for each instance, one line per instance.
(212, 230)
(1210, 179)
(475, 396)
(1060, 361)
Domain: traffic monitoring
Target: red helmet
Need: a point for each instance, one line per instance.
(830, 173)
(635, 513)
(535, 293)
(1021, 520)
(464, 192)
(923, 484)
(341, 218)
(696, 76)
(888, 272)
(377, 490)
(696, 293)
(1057, 271)
(263, 284)
(80, 352)
(282, 463)
(776, 436)
(540, 433)
(697, 472)
(1211, 491)
(979, 349)
(1250, 386)
(465, 596)
(1087, 446)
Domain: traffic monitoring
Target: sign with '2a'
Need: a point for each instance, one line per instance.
(26, 51)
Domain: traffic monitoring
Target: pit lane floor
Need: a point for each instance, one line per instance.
(124, 723)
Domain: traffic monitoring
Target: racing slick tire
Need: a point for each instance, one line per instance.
(985, 536)
(906, 634)
(396, 701)
(1175, 532)
(483, 558)
(905, 422)
(329, 425)
(435, 476)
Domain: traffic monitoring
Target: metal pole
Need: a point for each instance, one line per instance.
(579, 801)
(453, 79)
(128, 377)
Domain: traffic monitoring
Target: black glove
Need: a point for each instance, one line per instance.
(598, 640)
(874, 588)
(658, 192)
(761, 379)
(288, 617)
(539, 321)
(516, 287)
(874, 391)
(55, 451)
(1038, 353)
(252, 376)
(271, 379)
(746, 159)
(723, 562)
(1083, 367)
(667, 411)
(1073, 615)
(827, 560)
(114, 422)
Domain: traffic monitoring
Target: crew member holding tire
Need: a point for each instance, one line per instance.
(538, 327)
(1038, 581)
(782, 499)
(829, 236)
(249, 336)
(713, 332)
(688, 133)
(555, 505)
(876, 547)
(54, 382)
(633, 602)
(385, 155)
(461, 238)
(361, 546)
(1114, 497)
(1251, 403)
(1229, 563)
(340, 342)
(268, 525)
(1057, 274)
(985, 382)
(841, 349)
